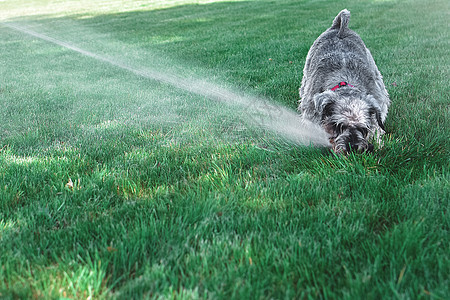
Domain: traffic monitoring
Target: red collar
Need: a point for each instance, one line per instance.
(341, 84)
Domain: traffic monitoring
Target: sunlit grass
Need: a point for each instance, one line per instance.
(116, 186)
(86, 9)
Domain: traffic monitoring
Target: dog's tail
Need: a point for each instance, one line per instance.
(341, 22)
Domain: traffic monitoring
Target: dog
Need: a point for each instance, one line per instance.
(342, 89)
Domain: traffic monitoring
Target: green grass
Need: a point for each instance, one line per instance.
(114, 186)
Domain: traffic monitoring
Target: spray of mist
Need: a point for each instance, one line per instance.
(270, 116)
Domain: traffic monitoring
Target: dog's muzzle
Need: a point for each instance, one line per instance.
(351, 142)
(357, 148)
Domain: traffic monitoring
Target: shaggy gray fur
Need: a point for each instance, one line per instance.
(351, 115)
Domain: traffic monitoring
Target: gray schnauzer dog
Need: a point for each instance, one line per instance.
(342, 89)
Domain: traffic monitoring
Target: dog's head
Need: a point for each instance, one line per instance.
(350, 120)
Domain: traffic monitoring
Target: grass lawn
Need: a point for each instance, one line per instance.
(113, 185)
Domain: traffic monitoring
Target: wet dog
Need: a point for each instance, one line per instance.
(342, 89)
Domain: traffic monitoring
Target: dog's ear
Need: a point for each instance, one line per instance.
(377, 112)
(380, 123)
(324, 104)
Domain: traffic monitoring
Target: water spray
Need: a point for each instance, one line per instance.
(275, 118)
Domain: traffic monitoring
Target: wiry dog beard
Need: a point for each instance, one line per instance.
(351, 139)
(348, 122)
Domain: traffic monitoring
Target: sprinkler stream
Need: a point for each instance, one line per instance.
(277, 118)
